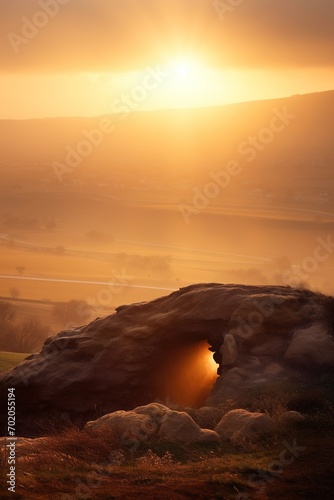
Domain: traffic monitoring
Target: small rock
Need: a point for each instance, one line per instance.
(240, 425)
(291, 417)
(179, 426)
(273, 369)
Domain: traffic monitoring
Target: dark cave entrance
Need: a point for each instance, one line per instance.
(187, 375)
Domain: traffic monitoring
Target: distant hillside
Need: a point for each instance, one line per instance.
(194, 137)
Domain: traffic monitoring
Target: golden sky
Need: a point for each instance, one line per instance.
(86, 57)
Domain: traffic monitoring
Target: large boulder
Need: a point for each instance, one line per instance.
(124, 360)
(242, 425)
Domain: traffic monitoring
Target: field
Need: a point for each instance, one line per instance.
(73, 466)
(155, 250)
(10, 359)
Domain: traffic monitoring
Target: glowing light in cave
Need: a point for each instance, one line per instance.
(188, 377)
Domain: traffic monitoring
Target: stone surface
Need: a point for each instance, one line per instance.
(131, 426)
(229, 350)
(118, 362)
(273, 369)
(291, 417)
(150, 422)
(179, 426)
(207, 417)
(311, 347)
(242, 425)
(155, 411)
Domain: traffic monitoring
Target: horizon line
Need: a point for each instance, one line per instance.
(168, 109)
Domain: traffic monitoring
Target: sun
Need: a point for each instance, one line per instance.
(190, 82)
(184, 68)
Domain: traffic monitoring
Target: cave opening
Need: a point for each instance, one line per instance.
(187, 375)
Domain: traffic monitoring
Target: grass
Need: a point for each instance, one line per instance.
(148, 476)
(82, 465)
(10, 359)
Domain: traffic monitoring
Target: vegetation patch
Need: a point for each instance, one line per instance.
(9, 360)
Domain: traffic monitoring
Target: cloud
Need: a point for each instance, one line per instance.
(114, 35)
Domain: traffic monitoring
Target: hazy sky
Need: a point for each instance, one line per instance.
(63, 57)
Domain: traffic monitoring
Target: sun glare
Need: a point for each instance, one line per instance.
(185, 68)
(190, 84)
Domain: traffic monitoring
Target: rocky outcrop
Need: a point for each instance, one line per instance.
(258, 334)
